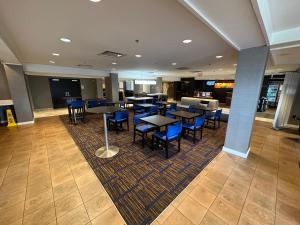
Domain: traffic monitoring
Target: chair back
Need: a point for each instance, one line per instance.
(173, 106)
(119, 115)
(168, 114)
(218, 113)
(164, 98)
(77, 104)
(137, 118)
(199, 121)
(174, 130)
(192, 109)
(153, 110)
(136, 107)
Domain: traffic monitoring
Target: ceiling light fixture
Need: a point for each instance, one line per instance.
(55, 54)
(219, 56)
(51, 62)
(95, 0)
(138, 56)
(114, 63)
(66, 40)
(235, 64)
(174, 64)
(187, 41)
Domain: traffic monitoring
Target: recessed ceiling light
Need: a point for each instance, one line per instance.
(138, 56)
(119, 55)
(187, 41)
(174, 64)
(219, 56)
(55, 54)
(66, 40)
(51, 62)
(114, 63)
(95, 0)
(235, 64)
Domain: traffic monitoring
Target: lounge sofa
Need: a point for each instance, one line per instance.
(201, 103)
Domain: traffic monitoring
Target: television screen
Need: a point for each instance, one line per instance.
(210, 83)
(224, 85)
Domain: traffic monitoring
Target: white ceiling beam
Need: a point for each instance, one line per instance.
(263, 15)
(47, 70)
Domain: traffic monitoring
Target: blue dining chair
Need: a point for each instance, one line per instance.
(138, 109)
(198, 124)
(153, 110)
(192, 109)
(77, 111)
(168, 114)
(216, 117)
(118, 119)
(140, 128)
(173, 106)
(172, 133)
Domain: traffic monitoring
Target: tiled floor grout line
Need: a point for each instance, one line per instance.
(236, 164)
(26, 186)
(252, 178)
(275, 216)
(79, 193)
(51, 183)
(97, 180)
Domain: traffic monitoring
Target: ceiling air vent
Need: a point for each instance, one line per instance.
(85, 65)
(182, 68)
(111, 54)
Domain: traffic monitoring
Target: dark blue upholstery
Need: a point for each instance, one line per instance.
(192, 109)
(195, 126)
(168, 114)
(153, 110)
(138, 109)
(173, 106)
(172, 133)
(118, 119)
(76, 110)
(77, 104)
(216, 117)
(140, 128)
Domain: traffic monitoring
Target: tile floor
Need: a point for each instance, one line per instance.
(45, 180)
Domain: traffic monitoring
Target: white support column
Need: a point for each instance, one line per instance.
(249, 77)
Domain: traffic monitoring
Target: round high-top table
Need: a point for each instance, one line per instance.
(106, 151)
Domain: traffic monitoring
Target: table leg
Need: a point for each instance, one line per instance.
(106, 151)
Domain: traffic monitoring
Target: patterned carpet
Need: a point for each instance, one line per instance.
(141, 182)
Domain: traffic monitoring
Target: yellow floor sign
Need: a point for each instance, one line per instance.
(10, 119)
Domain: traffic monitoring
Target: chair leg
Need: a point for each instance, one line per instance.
(179, 144)
(201, 131)
(219, 123)
(167, 150)
(152, 144)
(194, 136)
(214, 124)
(143, 140)
(134, 135)
(127, 125)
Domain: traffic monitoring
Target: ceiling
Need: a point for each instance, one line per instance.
(32, 29)
(35, 27)
(285, 15)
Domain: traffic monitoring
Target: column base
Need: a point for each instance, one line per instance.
(237, 153)
(25, 123)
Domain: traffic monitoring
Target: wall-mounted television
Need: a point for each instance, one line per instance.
(210, 83)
